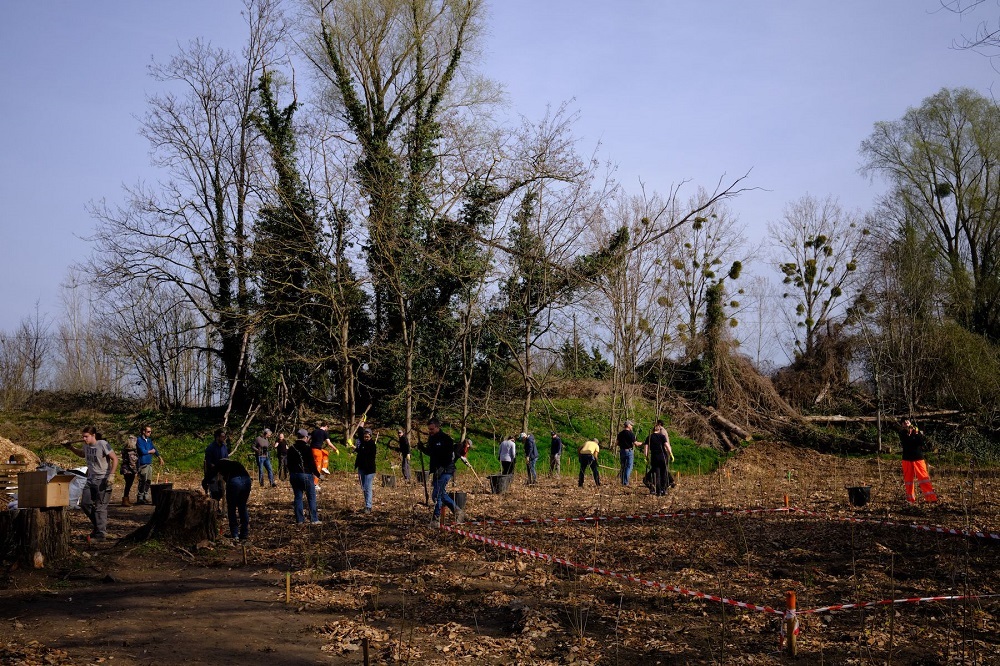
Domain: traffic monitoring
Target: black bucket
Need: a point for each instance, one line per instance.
(859, 495)
(499, 483)
(156, 491)
(388, 481)
(459, 499)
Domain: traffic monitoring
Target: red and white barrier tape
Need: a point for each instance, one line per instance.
(878, 521)
(890, 602)
(636, 516)
(607, 572)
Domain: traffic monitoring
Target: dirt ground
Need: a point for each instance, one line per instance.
(422, 595)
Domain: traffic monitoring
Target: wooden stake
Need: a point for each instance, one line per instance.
(791, 646)
(288, 587)
(786, 501)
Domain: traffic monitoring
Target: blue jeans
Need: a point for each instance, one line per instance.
(303, 483)
(441, 495)
(237, 496)
(532, 475)
(366, 487)
(628, 461)
(264, 462)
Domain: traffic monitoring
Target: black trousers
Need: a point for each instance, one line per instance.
(587, 460)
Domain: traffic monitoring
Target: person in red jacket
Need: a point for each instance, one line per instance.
(914, 465)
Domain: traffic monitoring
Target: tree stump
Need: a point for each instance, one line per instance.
(180, 516)
(25, 532)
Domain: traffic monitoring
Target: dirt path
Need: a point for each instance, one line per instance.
(420, 595)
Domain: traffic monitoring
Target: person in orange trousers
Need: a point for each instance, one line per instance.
(914, 465)
(319, 440)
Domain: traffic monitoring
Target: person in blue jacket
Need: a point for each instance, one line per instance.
(146, 450)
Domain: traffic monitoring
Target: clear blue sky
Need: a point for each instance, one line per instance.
(673, 90)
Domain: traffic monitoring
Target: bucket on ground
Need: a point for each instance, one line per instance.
(388, 481)
(499, 483)
(422, 476)
(156, 491)
(859, 495)
(459, 498)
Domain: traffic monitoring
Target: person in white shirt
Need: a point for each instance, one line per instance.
(508, 453)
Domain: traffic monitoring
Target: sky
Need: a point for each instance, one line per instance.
(670, 90)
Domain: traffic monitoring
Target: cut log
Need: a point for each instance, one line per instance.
(836, 418)
(180, 517)
(719, 419)
(25, 532)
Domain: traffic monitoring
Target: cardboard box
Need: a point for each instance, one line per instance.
(34, 492)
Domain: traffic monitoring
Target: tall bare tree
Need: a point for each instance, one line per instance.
(818, 244)
(192, 229)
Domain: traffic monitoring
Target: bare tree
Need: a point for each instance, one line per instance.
(155, 328)
(818, 245)
(192, 230)
(705, 249)
(86, 361)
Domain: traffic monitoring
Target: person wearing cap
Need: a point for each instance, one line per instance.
(530, 456)
(555, 454)
(626, 451)
(588, 458)
(364, 462)
(262, 448)
(301, 471)
(914, 466)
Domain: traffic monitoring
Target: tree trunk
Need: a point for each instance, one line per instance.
(28, 531)
(181, 516)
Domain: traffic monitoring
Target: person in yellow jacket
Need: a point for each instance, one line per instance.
(588, 458)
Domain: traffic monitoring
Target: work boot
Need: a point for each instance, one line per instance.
(459, 516)
(126, 501)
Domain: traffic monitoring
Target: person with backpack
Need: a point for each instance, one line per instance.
(301, 472)
(129, 467)
(657, 450)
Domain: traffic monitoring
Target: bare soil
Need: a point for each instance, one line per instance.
(423, 595)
